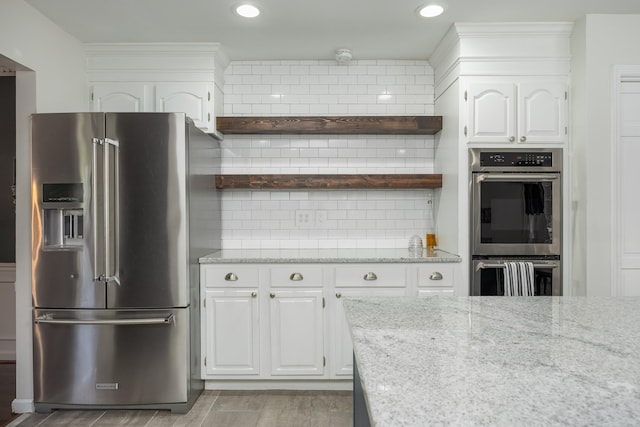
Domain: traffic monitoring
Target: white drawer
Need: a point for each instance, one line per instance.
(229, 276)
(296, 275)
(435, 274)
(389, 276)
(435, 291)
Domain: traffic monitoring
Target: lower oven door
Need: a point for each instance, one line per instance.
(488, 276)
(97, 358)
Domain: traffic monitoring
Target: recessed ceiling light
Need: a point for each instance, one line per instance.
(431, 10)
(247, 11)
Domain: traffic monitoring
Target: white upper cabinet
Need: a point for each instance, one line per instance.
(119, 98)
(516, 111)
(156, 77)
(193, 99)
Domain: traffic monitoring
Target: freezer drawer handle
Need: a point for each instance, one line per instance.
(48, 318)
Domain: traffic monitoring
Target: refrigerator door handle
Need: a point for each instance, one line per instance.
(48, 318)
(111, 196)
(96, 206)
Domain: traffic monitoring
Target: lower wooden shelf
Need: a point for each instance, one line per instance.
(333, 182)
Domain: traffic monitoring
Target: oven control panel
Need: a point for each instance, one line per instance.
(521, 158)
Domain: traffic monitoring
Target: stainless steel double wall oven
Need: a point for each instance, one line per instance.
(516, 215)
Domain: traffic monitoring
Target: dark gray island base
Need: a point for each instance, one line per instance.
(503, 361)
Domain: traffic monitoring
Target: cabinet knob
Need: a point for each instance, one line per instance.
(272, 295)
(338, 295)
(436, 275)
(254, 294)
(296, 277)
(511, 139)
(370, 276)
(523, 138)
(231, 277)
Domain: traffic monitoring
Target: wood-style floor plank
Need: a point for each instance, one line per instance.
(272, 408)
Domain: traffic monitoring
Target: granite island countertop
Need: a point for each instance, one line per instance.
(505, 361)
(347, 255)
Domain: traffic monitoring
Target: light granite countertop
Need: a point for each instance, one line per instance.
(505, 361)
(349, 255)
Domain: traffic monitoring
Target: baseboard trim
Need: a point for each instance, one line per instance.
(22, 406)
(278, 385)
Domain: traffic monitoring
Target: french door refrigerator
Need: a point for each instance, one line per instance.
(123, 204)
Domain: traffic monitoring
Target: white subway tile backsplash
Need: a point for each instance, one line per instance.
(352, 218)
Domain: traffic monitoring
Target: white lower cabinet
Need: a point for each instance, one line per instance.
(285, 322)
(232, 332)
(342, 346)
(297, 331)
(435, 279)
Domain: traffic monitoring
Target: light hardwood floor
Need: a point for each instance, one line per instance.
(224, 408)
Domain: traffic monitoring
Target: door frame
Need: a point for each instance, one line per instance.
(621, 74)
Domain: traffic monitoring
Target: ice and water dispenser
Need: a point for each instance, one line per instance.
(63, 216)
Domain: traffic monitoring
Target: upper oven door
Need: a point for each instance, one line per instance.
(516, 213)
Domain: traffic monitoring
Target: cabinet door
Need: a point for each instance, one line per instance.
(542, 112)
(119, 97)
(342, 345)
(232, 337)
(193, 99)
(491, 112)
(297, 342)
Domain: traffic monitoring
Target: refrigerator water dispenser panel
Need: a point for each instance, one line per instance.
(62, 216)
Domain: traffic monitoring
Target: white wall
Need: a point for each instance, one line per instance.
(355, 218)
(577, 153)
(57, 83)
(604, 41)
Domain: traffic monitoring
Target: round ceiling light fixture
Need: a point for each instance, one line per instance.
(247, 11)
(430, 10)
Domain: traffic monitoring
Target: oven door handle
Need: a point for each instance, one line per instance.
(517, 177)
(482, 265)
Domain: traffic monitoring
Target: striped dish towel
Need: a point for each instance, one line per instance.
(518, 279)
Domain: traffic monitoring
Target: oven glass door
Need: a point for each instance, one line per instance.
(488, 277)
(516, 213)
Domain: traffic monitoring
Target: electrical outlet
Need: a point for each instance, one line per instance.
(321, 219)
(305, 218)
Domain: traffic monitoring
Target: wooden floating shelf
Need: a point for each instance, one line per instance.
(320, 125)
(332, 182)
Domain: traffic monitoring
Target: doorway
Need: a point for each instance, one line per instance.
(625, 150)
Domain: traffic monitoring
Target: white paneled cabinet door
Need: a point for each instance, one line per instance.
(232, 332)
(119, 97)
(491, 112)
(628, 202)
(297, 342)
(193, 99)
(542, 112)
(342, 345)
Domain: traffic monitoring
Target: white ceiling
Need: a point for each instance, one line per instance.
(303, 29)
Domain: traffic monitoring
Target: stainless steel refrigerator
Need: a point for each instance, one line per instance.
(123, 204)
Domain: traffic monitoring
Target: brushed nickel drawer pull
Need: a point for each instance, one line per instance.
(338, 295)
(272, 295)
(231, 277)
(296, 277)
(254, 294)
(370, 276)
(436, 275)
